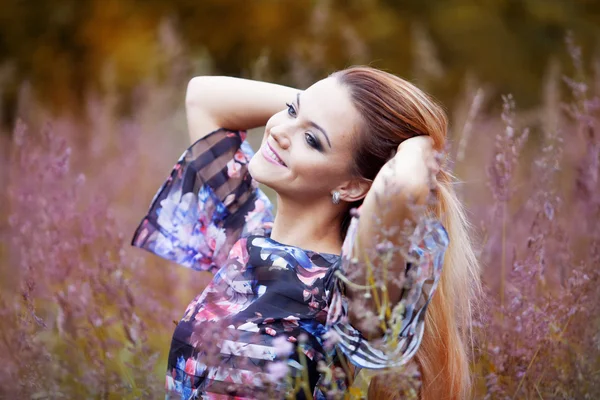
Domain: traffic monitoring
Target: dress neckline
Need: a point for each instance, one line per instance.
(275, 242)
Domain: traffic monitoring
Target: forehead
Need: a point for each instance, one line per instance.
(328, 104)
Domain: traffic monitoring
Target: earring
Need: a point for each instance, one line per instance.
(335, 198)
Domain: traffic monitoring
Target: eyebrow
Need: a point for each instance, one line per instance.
(313, 124)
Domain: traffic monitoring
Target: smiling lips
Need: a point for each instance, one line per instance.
(271, 156)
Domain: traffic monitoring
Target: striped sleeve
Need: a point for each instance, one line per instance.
(206, 204)
(406, 325)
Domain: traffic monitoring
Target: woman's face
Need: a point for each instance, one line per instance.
(306, 152)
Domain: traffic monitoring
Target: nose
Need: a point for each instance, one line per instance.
(282, 139)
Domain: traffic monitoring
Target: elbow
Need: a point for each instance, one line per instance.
(196, 91)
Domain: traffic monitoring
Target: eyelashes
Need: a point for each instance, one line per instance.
(311, 140)
(291, 110)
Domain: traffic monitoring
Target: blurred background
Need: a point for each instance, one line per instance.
(65, 48)
(92, 120)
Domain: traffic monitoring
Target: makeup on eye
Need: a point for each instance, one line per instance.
(292, 112)
(313, 142)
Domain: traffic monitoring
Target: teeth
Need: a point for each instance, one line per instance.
(273, 155)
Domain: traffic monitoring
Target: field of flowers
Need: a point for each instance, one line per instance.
(85, 315)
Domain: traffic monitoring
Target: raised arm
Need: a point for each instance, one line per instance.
(371, 263)
(403, 183)
(226, 102)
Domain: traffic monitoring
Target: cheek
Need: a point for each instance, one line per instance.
(310, 166)
(305, 160)
(320, 171)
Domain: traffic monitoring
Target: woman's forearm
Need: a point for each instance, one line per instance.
(401, 183)
(234, 103)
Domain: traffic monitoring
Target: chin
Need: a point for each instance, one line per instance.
(262, 172)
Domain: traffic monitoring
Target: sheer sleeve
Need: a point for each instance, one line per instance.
(206, 204)
(406, 325)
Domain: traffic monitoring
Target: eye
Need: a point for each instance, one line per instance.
(291, 110)
(312, 141)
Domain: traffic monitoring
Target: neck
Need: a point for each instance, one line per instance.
(315, 227)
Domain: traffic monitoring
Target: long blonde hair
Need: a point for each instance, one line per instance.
(394, 110)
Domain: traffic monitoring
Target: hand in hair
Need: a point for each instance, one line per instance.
(422, 147)
(396, 200)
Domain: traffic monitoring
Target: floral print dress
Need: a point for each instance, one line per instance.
(269, 305)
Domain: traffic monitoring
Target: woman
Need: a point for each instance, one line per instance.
(351, 159)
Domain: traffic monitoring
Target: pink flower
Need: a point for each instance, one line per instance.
(240, 157)
(270, 331)
(190, 366)
(331, 339)
(289, 323)
(238, 251)
(277, 371)
(282, 346)
(233, 169)
(216, 237)
(310, 353)
(254, 218)
(303, 337)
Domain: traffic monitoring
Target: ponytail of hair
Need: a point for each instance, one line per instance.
(442, 357)
(393, 110)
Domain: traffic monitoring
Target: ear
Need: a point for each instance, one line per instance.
(354, 189)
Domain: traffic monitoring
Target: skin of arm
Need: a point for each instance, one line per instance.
(214, 102)
(404, 180)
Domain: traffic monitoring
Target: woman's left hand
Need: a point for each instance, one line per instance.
(415, 163)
